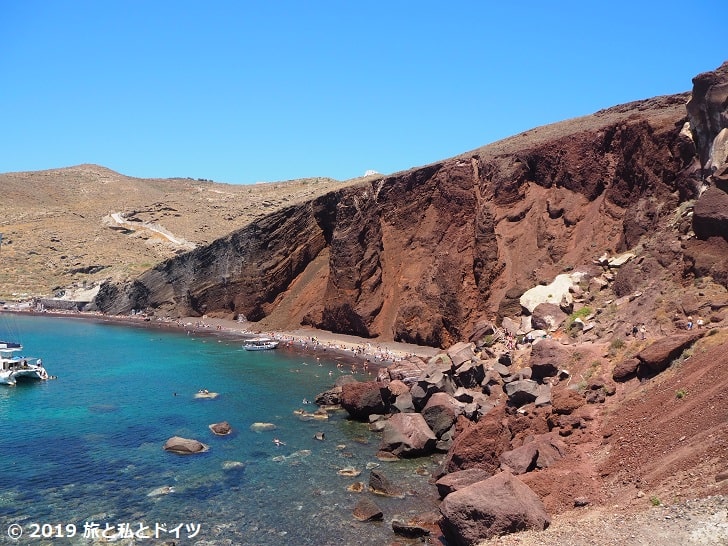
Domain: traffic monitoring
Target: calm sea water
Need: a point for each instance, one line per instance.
(87, 447)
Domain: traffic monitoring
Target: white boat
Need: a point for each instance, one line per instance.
(260, 344)
(14, 368)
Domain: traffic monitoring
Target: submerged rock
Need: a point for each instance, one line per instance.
(381, 485)
(205, 394)
(367, 510)
(233, 465)
(184, 446)
(262, 427)
(349, 471)
(221, 429)
(159, 491)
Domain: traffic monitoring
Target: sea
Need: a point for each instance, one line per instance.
(82, 454)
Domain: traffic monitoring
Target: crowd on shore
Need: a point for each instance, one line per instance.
(369, 352)
(315, 341)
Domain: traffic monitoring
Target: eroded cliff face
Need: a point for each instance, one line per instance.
(423, 255)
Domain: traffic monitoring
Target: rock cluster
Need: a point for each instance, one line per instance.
(491, 417)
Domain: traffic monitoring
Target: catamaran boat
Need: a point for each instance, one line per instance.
(260, 344)
(14, 368)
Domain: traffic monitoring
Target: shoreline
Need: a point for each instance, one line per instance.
(308, 341)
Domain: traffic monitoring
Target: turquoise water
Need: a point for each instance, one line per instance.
(87, 447)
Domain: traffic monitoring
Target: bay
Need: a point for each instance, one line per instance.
(86, 448)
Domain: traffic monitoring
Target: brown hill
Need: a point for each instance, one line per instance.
(57, 230)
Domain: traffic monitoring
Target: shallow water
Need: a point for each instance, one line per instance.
(87, 447)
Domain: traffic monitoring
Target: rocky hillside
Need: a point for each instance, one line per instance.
(422, 256)
(576, 274)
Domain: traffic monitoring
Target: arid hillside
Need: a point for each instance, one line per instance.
(58, 229)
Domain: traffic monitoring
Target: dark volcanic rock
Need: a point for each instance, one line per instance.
(658, 356)
(706, 108)
(367, 510)
(522, 392)
(710, 215)
(496, 506)
(565, 401)
(541, 452)
(381, 485)
(440, 412)
(418, 526)
(362, 399)
(480, 445)
(626, 369)
(707, 259)
(547, 358)
(547, 316)
(407, 435)
(408, 370)
(460, 479)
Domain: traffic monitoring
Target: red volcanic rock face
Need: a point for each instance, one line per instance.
(425, 255)
(481, 444)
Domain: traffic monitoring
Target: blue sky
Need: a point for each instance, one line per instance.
(241, 92)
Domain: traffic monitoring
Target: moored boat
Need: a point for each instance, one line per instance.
(260, 344)
(14, 368)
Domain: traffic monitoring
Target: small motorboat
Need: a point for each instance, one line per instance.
(260, 344)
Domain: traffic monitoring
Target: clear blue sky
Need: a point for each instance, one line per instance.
(240, 91)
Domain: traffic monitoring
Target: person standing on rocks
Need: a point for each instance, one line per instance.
(690, 323)
(643, 331)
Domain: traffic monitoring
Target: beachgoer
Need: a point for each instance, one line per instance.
(277, 442)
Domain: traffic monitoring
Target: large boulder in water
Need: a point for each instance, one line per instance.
(497, 506)
(184, 446)
(362, 399)
(367, 510)
(221, 429)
